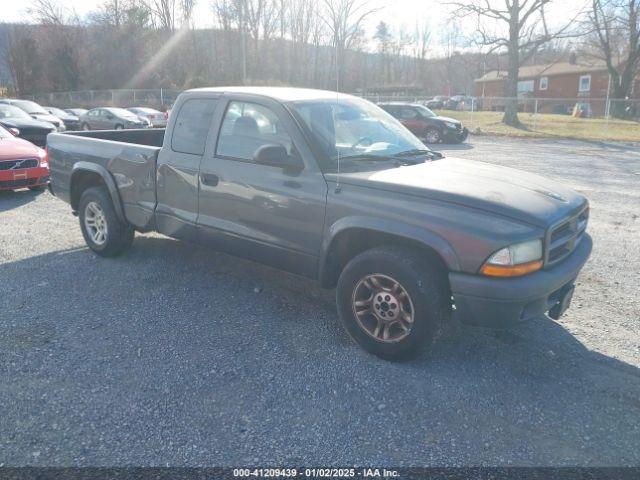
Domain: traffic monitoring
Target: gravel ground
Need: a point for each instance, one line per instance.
(176, 355)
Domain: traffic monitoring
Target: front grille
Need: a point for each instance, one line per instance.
(19, 164)
(24, 182)
(564, 237)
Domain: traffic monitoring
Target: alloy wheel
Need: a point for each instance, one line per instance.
(383, 308)
(432, 136)
(95, 223)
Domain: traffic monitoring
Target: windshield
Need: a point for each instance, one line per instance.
(425, 111)
(58, 113)
(353, 129)
(30, 107)
(9, 111)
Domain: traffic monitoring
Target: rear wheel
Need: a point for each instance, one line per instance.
(103, 231)
(392, 301)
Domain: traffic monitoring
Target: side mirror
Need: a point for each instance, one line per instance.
(275, 156)
(14, 131)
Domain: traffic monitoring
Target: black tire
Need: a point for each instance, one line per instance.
(119, 235)
(432, 135)
(424, 282)
(85, 127)
(119, 127)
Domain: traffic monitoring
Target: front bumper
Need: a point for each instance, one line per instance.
(457, 136)
(503, 302)
(32, 177)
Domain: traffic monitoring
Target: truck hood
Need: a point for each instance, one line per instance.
(445, 119)
(27, 123)
(15, 148)
(47, 117)
(522, 196)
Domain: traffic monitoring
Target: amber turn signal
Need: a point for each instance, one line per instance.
(511, 270)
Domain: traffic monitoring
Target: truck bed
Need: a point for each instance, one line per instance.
(128, 157)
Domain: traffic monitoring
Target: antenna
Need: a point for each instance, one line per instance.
(338, 187)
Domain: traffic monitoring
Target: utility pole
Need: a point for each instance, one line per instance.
(243, 42)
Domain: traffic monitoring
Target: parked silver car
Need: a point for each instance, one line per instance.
(157, 118)
(111, 118)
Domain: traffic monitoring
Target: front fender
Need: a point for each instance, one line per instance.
(107, 178)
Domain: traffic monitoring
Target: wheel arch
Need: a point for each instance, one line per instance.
(350, 236)
(86, 175)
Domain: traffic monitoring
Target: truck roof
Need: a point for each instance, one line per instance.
(283, 94)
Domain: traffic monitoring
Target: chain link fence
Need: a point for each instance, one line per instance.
(159, 98)
(578, 117)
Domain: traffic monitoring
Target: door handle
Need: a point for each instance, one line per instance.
(210, 179)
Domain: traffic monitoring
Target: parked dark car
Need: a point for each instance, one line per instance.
(425, 124)
(78, 112)
(24, 126)
(35, 111)
(437, 102)
(337, 190)
(111, 118)
(71, 121)
(155, 117)
(458, 102)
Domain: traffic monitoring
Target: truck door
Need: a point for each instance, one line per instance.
(266, 213)
(178, 165)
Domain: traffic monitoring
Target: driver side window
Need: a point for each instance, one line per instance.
(247, 127)
(408, 113)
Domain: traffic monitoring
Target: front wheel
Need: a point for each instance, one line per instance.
(85, 127)
(103, 231)
(392, 301)
(432, 135)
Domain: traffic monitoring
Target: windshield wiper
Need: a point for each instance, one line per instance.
(366, 157)
(418, 151)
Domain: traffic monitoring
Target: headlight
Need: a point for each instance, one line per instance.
(515, 260)
(451, 125)
(44, 157)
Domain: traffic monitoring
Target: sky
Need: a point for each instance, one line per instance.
(397, 13)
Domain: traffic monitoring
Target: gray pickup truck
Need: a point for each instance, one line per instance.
(332, 187)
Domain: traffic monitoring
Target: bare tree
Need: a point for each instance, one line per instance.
(171, 14)
(345, 19)
(384, 39)
(48, 12)
(24, 61)
(615, 38)
(521, 29)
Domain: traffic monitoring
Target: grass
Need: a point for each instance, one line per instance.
(548, 125)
